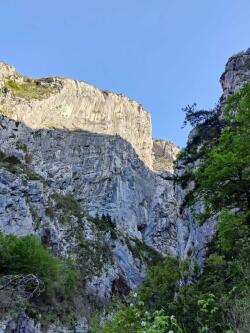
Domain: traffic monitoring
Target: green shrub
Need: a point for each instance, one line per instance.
(160, 285)
(15, 166)
(29, 89)
(92, 255)
(26, 255)
(143, 251)
(104, 224)
(134, 319)
(65, 206)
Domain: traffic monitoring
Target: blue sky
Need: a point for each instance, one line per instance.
(163, 53)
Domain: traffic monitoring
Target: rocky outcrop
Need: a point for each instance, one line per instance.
(22, 324)
(237, 72)
(165, 153)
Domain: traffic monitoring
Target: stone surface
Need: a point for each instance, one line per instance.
(76, 105)
(165, 153)
(236, 74)
(22, 324)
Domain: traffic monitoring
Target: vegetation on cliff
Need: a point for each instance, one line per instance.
(29, 89)
(26, 255)
(218, 300)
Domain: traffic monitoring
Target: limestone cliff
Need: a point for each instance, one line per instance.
(48, 158)
(74, 105)
(63, 141)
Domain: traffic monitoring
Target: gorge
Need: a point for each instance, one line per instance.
(80, 170)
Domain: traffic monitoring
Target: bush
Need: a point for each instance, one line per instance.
(29, 89)
(134, 319)
(26, 255)
(65, 206)
(15, 166)
(160, 285)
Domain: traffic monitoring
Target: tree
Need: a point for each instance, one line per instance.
(19, 289)
(26, 257)
(223, 180)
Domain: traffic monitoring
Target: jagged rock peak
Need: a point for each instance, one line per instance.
(74, 105)
(236, 74)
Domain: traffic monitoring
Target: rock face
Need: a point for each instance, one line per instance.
(22, 324)
(165, 153)
(63, 140)
(237, 72)
(75, 105)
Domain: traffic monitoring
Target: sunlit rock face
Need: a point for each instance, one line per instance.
(165, 153)
(237, 72)
(75, 105)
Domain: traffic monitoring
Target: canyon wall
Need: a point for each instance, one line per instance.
(65, 141)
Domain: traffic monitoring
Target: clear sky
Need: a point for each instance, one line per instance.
(163, 53)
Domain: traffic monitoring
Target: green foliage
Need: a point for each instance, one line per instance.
(134, 319)
(15, 166)
(232, 231)
(21, 146)
(223, 181)
(207, 314)
(92, 255)
(200, 117)
(143, 251)
(247, 64)
(29, 89)
(64, 207)
(104, 224)
(160, 285)
(26, 255)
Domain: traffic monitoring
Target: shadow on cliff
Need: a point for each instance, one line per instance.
(17, 139)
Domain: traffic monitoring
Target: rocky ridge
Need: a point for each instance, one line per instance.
(75, 105)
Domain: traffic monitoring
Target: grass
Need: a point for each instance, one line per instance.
(143, 251)
(91, 256)
(104, 224)
(15, 166)
(29, 89)
(65, 206)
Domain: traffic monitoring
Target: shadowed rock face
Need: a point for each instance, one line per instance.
(102, 172)
(22, 324)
